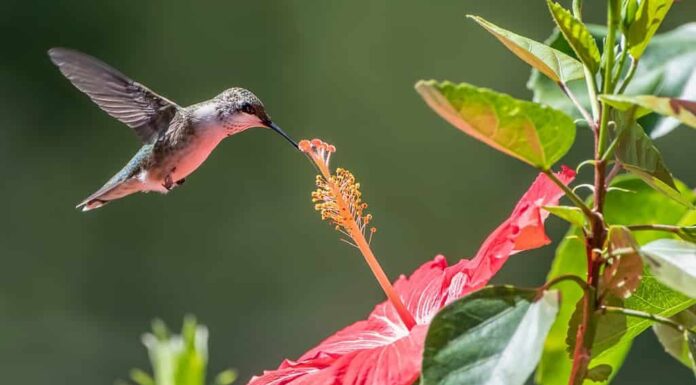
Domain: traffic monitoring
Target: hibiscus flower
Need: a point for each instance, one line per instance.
(386, 348)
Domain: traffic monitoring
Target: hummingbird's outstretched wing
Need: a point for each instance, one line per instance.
(126, 100)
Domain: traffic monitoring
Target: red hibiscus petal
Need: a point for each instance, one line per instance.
(382, 327)
(422, 292)
(289, 371)
(380, 350)
(523, 230)
(397, 363)
(434, 285)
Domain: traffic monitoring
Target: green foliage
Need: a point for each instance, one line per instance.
(178, 359)
(620, 297)
(547, 91)
(577, 35)
(225, 377)
(609, 331)
(666, 69)
(682, 110)
(639, 156)
(646, 21)
(630, 7)
(624, 265)
(673, 262)
(627, 208)
(679, 344)
(599, 373)
(687, 233)
(691, 344)
(570, 214)
(559, 67)
(535, 134)
(513, 323)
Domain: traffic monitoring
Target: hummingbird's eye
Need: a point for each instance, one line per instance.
(247, 108)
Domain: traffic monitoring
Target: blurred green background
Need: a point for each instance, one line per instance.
(240, 245)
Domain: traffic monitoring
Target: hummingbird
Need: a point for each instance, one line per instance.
(176, 140)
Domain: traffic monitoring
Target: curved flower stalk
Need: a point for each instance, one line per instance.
(383, 349)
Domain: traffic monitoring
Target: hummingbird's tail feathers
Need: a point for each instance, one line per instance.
(132, 103)
(110, 192)
(91, 205)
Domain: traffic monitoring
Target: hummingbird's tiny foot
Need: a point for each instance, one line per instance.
(180, 182)
(168, 183)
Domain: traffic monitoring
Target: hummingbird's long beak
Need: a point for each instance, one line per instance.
(279, 130)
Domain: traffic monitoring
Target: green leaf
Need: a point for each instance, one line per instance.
(225, 378)
(647, 20)
(558, 66)
(191, 361)
(639, 156)
(682, 110)
(577, 35)
(687, 233)
(599, 373)
(513, 323)
(609, 329)
(691, 343)
(622, 275)
(160, 330)
(547, 92)
(629, 9)
(666, 69)
(635, 208)
(535, 134)
(673, 262)
(676, 343)
(141, 378)
(570, 214)
(176, 359)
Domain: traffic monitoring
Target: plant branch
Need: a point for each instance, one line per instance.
(592, 94)
(610, 150)
(582, 354)
(595, 239)
(567, 277)
(612, 173)
(586, 115)
(577, 9)
(666, 228)
(589, 76)
(620, 65)
(644, 315)
(613, 19)
(570, 194)
(629, 76)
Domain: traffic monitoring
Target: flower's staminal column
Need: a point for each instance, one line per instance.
(339, 200)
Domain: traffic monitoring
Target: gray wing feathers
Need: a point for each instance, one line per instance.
(124, 99)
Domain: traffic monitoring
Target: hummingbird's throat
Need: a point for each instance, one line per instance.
(240, 121)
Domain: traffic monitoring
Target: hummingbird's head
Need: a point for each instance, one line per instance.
(243, 110)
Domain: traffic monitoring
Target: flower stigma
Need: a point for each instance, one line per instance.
(339, 201)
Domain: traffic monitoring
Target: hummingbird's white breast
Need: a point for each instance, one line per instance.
(209, 132)
(210, 127)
